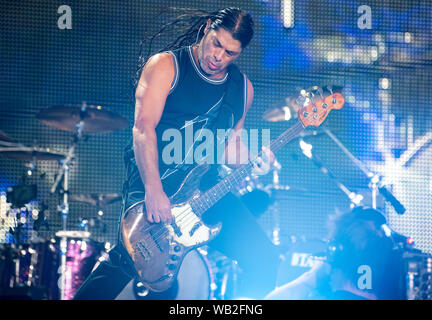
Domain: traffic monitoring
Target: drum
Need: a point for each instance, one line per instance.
(38, 265)
(194, 282)
(195, 279)
(23, 265)
(82, 255)
(300, 258)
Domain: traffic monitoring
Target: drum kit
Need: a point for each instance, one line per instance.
(53, 268)
(57, 266)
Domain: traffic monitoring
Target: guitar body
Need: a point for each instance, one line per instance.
(157, 249)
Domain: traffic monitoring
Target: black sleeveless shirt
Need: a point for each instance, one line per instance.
(195, 102)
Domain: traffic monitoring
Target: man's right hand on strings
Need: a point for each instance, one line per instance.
(158, 206)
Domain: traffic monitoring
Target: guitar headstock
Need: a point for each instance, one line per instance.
(318, 102)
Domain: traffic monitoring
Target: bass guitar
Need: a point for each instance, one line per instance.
(157, 249)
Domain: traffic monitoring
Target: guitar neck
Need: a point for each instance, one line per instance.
(213, 195)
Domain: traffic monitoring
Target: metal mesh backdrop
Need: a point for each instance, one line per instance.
(386, 122)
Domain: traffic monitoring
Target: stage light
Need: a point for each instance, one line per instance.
(384, 83)
(408, 37)
(306, 148)
(375, 179)
(276, 238)
(287, 113)
(331, 56)
(387, 230)
(374, 54)
(287, 8)
(356, 198)
(35, 214)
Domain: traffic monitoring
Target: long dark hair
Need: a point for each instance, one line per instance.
(188, 28)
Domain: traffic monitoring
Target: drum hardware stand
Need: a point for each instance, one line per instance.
(233, 268)
(276, 228)
(63, 173)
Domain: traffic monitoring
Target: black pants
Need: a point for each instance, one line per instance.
(240, 239)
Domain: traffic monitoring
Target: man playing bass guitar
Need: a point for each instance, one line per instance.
(193, 82)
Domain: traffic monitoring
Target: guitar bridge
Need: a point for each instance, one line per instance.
(176, 229)
(156, 236)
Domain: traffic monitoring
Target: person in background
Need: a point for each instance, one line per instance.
(361, 263)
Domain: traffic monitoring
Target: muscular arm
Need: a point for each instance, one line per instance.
(150, 96)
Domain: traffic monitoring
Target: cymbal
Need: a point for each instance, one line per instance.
(5, 138)
(94, 118)
(96, 199)
(29, 154)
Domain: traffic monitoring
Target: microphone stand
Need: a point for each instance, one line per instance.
(354, 198)
(374, 178)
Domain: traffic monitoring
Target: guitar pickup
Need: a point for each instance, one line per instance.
(176, 229)
(195, 228)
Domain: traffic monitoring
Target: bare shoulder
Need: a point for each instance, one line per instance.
(161, 60)
(153, 88)
(159, 67)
